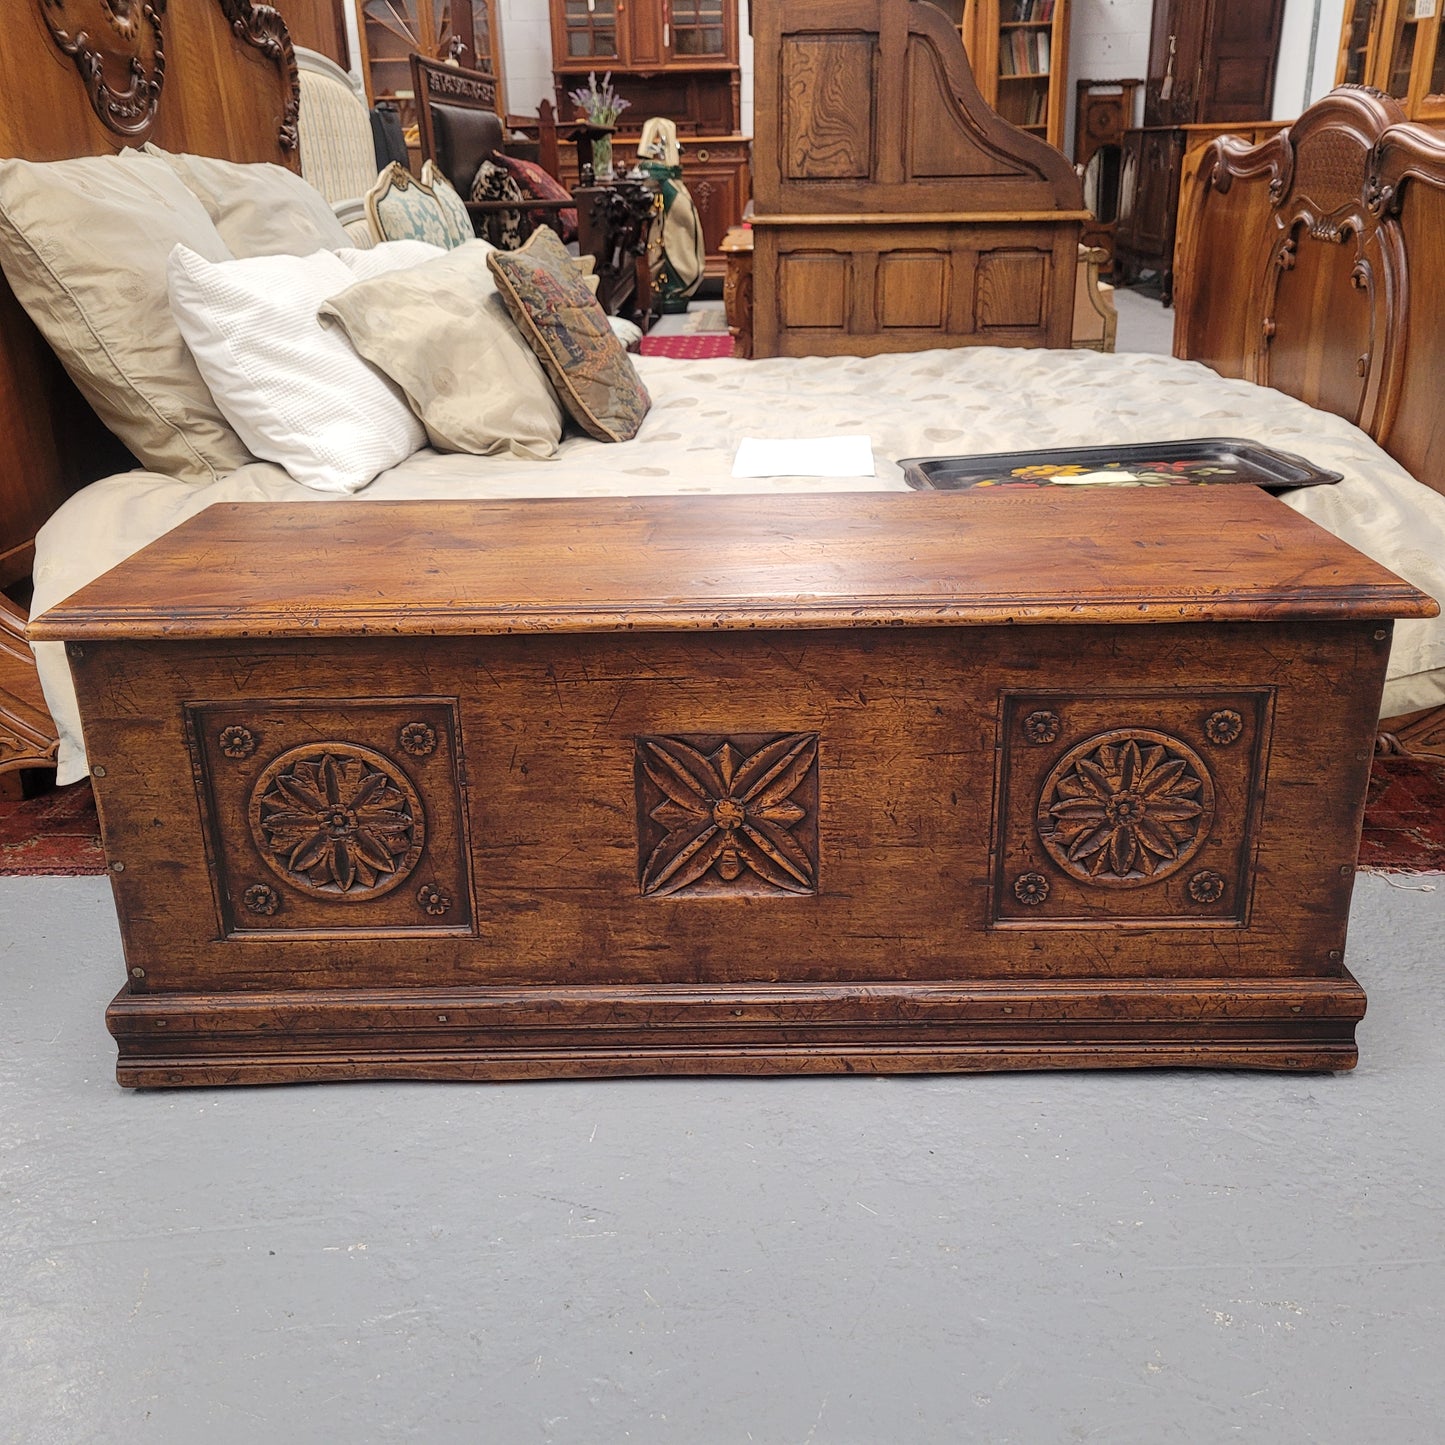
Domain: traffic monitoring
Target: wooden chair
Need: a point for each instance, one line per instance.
(458, 129)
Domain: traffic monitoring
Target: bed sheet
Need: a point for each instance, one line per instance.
(931, 403)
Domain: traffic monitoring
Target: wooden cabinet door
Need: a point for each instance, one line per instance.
(717, 176)
(1237, 62)
(587, 32)
(1176, 57)
(697, 31)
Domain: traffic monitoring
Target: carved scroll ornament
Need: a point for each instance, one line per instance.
(263, 27)
(109, 38)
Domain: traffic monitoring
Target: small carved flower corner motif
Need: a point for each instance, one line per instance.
(260, 898)
(729, 818)
(1031, 889)
(433, 900)
(1223, 727)
(1206, 887)
(237, 742)
(1042, 727)
(419, 739)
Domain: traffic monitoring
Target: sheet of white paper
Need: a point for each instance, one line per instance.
(804, 457)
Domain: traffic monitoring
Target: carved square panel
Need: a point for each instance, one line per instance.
(334, 816)
(827, 106)
(1119, 807)
(727, 816)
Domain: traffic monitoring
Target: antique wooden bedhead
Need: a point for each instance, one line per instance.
(86, 78)
(1311, 264)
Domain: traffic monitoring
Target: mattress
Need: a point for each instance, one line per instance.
(931, 403)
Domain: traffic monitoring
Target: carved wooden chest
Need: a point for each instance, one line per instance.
(883, 782)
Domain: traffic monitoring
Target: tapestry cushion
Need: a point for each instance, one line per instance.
(459, 221)
(84, 244)
(401, 208)
(558, 314)
(536, 183)
(496, 183)
(259, 209)
(441, 332)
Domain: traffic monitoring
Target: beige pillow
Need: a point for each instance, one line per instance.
(259, 209)
(441, 332)
(84, 244)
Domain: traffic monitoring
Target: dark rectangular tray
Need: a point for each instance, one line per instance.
(1209, 461)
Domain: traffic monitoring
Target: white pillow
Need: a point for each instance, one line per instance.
(366, 263)
(296, 392)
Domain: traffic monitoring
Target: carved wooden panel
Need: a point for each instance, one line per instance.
(827, 89)
(334, 817)
(1129, 807)
(1009, 289)
(814, 289)
(721, 817)
(118, 48)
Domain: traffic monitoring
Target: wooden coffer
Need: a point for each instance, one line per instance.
(728, 837)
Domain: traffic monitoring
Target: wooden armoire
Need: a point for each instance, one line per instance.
(1211, 72)
(1396, 46)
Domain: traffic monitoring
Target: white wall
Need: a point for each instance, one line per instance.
(1298, 83)
(526, 54)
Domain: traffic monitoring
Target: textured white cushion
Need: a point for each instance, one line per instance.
(367, 262)
(296, 392)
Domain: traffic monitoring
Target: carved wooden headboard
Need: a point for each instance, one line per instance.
(87, 77)
(1311, 264)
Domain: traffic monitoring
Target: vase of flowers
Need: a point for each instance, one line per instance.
(600, 106)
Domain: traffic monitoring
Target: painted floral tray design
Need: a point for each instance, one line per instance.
(1203, 462)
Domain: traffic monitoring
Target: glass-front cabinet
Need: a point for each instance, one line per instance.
(590, 31)
(668, 34)
(1395, 45)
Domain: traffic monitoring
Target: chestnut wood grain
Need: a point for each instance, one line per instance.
(752, 785)
(924, 559)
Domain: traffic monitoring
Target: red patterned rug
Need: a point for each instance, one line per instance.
(688, 348)
(58, 834)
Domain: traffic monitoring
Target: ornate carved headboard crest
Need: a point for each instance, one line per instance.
(104, 37)
(263, 27)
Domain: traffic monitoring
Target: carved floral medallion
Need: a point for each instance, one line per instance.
(730, 817)
(1126, 808)
(337, 820)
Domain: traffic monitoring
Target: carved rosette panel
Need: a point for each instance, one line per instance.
(118, 48)
(1126, 808)
(335, 816)
(338, 820)
(724, 816)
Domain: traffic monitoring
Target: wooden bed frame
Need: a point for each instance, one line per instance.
(1311, 263)
(1350, 182)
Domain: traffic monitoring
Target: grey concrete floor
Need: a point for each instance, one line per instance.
(1145, 324)
(1126, 1257)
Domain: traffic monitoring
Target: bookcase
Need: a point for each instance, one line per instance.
(1019, 50)
(391, 30)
